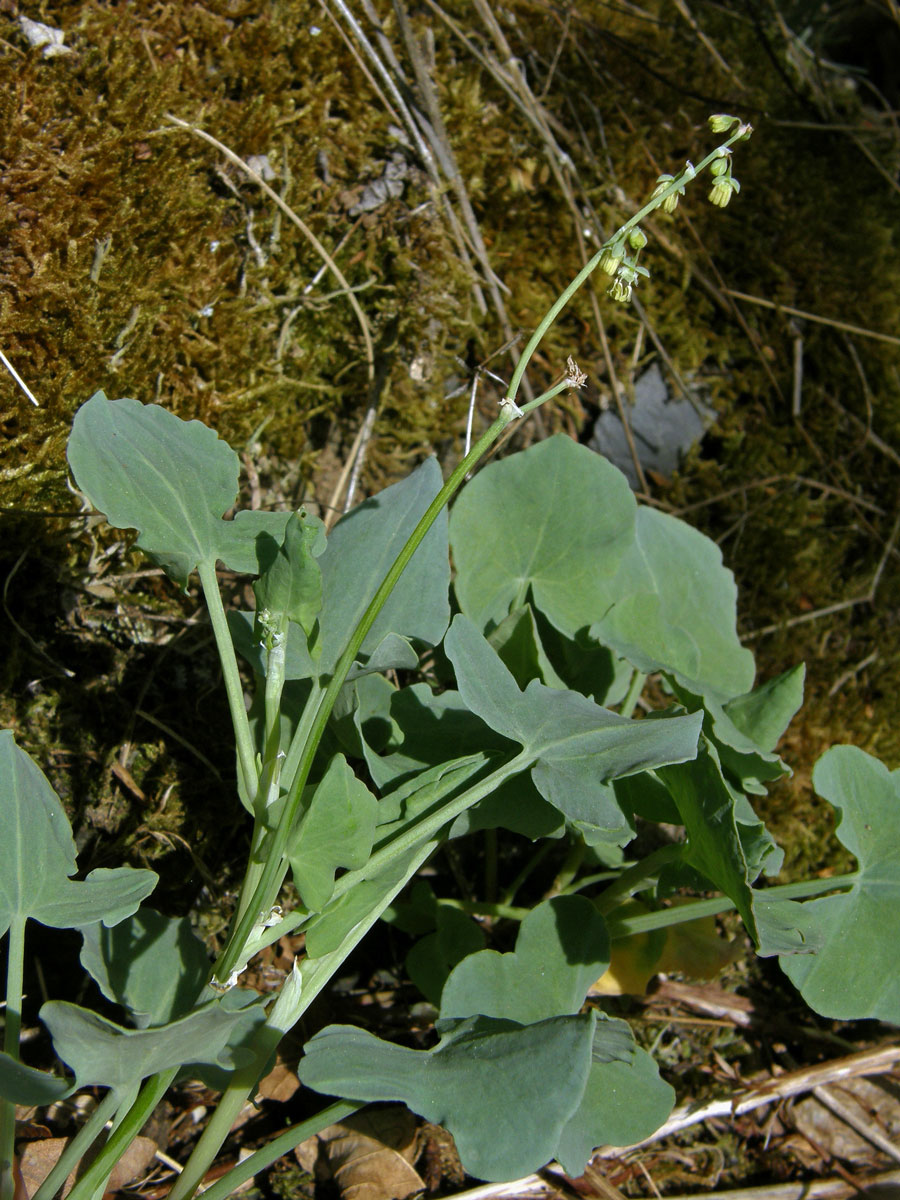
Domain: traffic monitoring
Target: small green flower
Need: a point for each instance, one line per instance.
(671, 201)
(612, 258)
(722, 189)
(619, 290)
(626, 278)
(722, 122)
(719, 166)
(637, 239)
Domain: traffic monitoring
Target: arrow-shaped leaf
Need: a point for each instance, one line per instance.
(854, 972)
(504, 1091)
(577, 746)
(37, 856)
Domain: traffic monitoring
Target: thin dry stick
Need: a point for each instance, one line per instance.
(238, 162)
(440, 141)
(426, 153)
(18, 378)
(814, 1189)
(710, 48)
(865, 1129)
(872, 438)
(857, 501)
(880, 1061)
(363, 439)
(852, 673)
(808, 316)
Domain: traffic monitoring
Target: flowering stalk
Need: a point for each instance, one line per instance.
(613, 256)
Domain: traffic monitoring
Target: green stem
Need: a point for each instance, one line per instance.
(642, 875)
(276, 868)
(477, 908)
(635, 687)
(231, 676)
(123, 1135)
(563, 299)
(587, 881)
(531, 865)
(570, 867)
(316, 974)
(620, 927)
(232, 1100)
(283, 1144)
(15, 967)
(79, 1146)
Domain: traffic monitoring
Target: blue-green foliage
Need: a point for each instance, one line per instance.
(566, 588)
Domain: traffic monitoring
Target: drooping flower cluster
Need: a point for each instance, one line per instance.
(624, 266)
(619, 258)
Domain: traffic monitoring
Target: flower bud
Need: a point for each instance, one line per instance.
(637, 239)
(722, 122)
(612, 257)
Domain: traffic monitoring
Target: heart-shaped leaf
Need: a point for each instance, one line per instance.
(101, 1052)
(154, 966)
(671, 606)
(148, 470)
(25, 1085)
(623, 1103)
(554, 520)
(562, 947)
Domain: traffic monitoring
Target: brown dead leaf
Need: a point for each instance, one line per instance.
(369, 1155)
(280, 1083)
(39, 1158)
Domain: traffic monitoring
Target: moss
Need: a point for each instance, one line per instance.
(134, 258)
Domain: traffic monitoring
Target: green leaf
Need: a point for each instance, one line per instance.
(327, 931)
(154, 966)
(562, 948)
(434, 956)
(671, 606)
(336, 830)
(101, 1052)
(785, 926)
(249, 543)
(765, 713)
(504, 1091)
(362, 546)
(148, 470)
(515, 805)
(854, 973)
(291, 585)
(748, 759)
(428, 729)
(37, 856)
(555, 519)
(25, 1085)
(623, 1103)
(518, 643)
(576, 746)
(706, 804)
